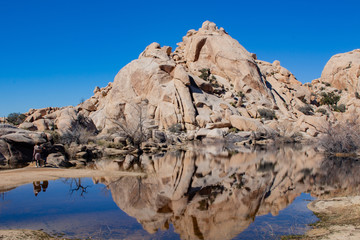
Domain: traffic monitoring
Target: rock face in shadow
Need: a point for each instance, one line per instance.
(213, 195)
(16, 145)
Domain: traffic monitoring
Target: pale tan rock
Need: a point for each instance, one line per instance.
(217, 133)
(42, 124)
(225, 57)
(154, 51)
(186, 102)
(223, 124)
(181, 74)
(88, 105)
(97, 89)
(342, 71)
(28, 126)
(244, 123)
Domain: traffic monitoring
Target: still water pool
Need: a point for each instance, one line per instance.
(79, 208)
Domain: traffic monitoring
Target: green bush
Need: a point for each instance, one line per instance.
(322, 110)
(16, 118)
(307, 110)
(240, 94)
(266, 113)
(339, 108)
(205, 74)
(329, 98)
(326, 84)
(233, 130)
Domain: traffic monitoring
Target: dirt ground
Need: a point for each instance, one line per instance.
(339, 219)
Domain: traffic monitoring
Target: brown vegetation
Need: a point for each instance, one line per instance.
(341, 138)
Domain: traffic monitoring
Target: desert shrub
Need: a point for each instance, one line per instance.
(205, 73)
(266, 113)
(134, 125)
(109, 144)
(233, 104)
(240, 94)
(339, 108)
(80, 132)
(357, 95)
(321, 110)
(16, 118)
(233, 130)
(78, 135)
(342, 138)
(329, 98)
(326, 84)
(175, 128)
(55, 136)
(307, 109)
(322, 88)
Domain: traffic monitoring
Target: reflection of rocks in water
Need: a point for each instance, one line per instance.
(337, 177)
(207, 196)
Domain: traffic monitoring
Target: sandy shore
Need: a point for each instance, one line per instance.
(11, 179)
(339, 219)
(24, 234)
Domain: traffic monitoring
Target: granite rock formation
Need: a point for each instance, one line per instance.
(205, 82)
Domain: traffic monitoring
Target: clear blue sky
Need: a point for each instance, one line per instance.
(54, 52)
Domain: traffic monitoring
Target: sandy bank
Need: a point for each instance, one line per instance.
(24, 234)
(339, 219)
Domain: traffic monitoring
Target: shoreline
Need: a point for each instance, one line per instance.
(339, 218)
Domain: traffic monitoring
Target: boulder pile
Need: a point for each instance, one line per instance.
(210, 86)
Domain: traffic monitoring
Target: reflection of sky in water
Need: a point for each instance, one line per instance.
(291, 220)
(96, 215)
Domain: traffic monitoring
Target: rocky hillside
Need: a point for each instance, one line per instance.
(212, 82)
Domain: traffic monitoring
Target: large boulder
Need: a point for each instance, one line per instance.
(58, 160)
(245, 124)
(16, 145)
(213, 48)
(342, 71)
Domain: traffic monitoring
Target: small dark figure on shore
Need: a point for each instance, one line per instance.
(37, 154)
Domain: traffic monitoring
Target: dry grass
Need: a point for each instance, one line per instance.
(341, 138)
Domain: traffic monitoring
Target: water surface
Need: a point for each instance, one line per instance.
(212, 194)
